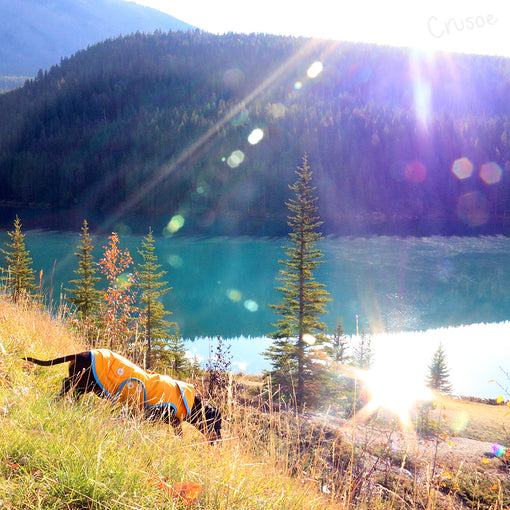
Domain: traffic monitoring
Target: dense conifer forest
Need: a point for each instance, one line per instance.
(139, 129)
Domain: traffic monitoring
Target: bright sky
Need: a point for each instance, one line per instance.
(453, 25)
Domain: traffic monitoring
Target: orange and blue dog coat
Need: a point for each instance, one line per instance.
(122, 380)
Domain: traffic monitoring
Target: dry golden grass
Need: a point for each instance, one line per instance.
(27, 329)
(89, 454)
(475, 420)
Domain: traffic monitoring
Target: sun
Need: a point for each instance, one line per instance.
(386, 389)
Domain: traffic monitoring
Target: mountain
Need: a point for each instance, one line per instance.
(36, 34)
(209, 129)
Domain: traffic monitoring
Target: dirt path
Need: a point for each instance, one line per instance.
(469, 450)
(451, 450)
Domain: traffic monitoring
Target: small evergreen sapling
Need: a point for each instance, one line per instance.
(84, 296)
(439, 375)
(20, 278)
(337, 346)
(363, 352)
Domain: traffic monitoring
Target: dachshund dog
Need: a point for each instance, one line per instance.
(110, 375)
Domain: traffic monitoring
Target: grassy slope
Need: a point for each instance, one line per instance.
(475, 420)
(89, 455)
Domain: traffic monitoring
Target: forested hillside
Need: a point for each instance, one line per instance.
(139, 129)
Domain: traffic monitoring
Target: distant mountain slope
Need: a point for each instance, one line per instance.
(36, 34)
(141, 128)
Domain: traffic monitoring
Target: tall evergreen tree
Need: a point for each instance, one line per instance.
(20, 278)
(84, 296)
(299, 327)
(438, 377)
(152, 287)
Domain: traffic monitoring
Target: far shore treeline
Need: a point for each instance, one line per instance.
(208, 128)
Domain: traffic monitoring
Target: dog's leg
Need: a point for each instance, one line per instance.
(166, 415)
(67, 386)
(80, 375)
(80, 379)
(72, 385)
(176, 424)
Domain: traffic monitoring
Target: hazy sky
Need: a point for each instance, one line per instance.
(453, 25)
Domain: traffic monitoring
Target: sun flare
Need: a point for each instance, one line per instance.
(389, 390)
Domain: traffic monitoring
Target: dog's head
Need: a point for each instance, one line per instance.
(207, 419)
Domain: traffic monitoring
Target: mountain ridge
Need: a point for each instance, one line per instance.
(36, 34)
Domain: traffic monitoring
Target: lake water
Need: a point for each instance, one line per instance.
(478, 356)
(411, 293)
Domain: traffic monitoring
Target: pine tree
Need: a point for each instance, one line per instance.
(152, 287)
(299, 327)
(336, 348)
(363, 353)
(84, 296)
(438, 377)
(20, 275)
(173, 354)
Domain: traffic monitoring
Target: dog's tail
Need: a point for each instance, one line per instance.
(48, 363)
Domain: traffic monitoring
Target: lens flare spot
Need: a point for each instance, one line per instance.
(122, 229)
(462, 168)
(251, 306)
(235, 159)
(460, 422)
(491, 173)
(359, 73)
(203, 188)
(309, 339)
(314, 70)
(175, 261)
(276, 110)
(255, 136)
(125, 280)
(241, 118)
(472, 208)
(175, 224)
(415, 172)
(499, 450)
(232, 78)
(298, 85)
(234, 295)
